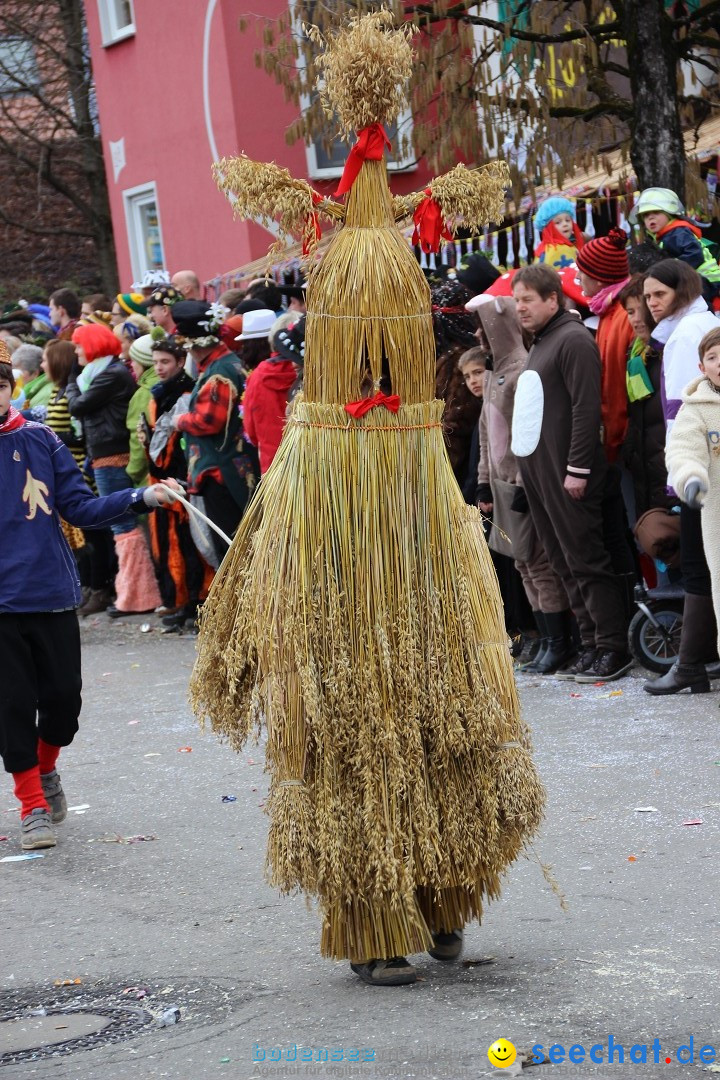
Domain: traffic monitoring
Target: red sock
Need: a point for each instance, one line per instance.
(29, 791)
(47, 756)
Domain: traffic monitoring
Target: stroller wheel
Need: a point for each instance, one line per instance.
(656, 647)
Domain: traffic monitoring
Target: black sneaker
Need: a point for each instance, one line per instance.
(579, 665)
(606, 667)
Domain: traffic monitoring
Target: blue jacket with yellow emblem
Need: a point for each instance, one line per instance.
(40, 483)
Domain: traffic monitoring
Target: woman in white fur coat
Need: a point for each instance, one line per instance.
(693, 454)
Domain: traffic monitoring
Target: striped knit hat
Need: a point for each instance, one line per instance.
(132, 302)
(605, 258)
(141, 351)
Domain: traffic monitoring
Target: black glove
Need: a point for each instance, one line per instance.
(694, 490)
(483, 493)
(520, 502)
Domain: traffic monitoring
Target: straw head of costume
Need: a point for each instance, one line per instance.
(357, 614)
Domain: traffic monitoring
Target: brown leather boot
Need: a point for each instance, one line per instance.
(99, 600)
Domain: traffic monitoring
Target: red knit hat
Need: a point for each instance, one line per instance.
(605, 258)
(96, 340)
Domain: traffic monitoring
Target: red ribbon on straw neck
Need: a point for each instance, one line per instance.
(357, 409)
(370, 146)
(430, 227)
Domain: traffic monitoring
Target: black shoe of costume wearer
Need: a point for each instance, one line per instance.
(582, 663)
(174, 622)
(681, 677)
(608, 665)
(560, 647)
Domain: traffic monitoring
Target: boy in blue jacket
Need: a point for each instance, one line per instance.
(39, 634)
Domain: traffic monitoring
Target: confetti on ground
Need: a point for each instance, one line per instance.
(632, 858)
(693, 821)
(479, 961)
(23, 858)
(229, 798)
(152, 755)
(2, 838)
(80, 809)
(646, 810)
(576, 695)
(185, 750)
(117, 839)
(130, 722)
(68, 982)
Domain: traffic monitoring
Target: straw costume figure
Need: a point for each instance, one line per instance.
(357, 613)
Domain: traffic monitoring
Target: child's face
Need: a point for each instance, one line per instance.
(655, 220)
(710, 365)
(564, 225)
(5, 395)
(473, 375)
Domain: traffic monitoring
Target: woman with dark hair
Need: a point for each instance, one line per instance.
(454, 333)
(673, 293)
(96, 562)
(643, 451)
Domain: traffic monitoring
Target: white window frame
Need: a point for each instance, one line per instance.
(133, 199)
(402, 164)
(112, 32)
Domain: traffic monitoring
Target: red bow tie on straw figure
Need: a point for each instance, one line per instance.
(357, 409)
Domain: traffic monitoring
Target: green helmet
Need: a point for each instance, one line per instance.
(657, 198)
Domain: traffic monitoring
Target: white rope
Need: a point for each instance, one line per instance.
(198, 513)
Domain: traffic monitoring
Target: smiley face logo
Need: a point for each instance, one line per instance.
(501, 1054)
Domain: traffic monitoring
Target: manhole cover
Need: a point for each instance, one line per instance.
(44, 1022)
(27, 1032)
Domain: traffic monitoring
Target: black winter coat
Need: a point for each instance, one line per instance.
(103, 409)
(643, 451)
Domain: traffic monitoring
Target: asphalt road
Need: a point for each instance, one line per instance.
(187, 918)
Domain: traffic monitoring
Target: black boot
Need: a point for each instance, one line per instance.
(560, 645)
(679, 677)
(699, 631)
(531, 665)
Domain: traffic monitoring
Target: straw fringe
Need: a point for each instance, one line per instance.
(359, 614)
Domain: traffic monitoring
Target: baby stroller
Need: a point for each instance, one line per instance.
(654, 631)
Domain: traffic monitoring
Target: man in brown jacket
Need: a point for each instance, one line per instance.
(556, 436)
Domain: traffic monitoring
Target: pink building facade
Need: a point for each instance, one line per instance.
(177, 89)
